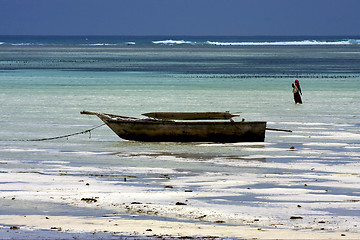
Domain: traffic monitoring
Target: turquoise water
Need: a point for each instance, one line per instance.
(44, 88)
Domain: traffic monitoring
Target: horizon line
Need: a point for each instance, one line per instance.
(166, 35)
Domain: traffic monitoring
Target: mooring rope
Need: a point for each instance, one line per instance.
(68, 135)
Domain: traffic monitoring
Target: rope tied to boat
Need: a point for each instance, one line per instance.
(68, 135)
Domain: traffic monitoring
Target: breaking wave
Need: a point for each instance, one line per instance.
(173, 42)
(186, 40)
(289, 43)
(264, 43)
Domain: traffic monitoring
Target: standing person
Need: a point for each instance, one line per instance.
(297, 92)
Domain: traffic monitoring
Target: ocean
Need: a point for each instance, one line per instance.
(46, 81)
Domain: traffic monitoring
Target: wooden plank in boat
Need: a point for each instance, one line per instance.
(191, 115)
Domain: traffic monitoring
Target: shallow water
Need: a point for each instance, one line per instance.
(40, 104)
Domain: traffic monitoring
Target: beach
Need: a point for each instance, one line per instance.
(311, 204)
(298, 185)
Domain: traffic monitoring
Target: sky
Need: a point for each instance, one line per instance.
(181, 17)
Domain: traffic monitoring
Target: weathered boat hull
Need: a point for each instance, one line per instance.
(171, 131)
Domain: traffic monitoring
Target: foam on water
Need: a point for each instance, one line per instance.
(172, 42)
(287, 43)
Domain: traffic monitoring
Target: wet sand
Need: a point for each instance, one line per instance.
(107, 227)
(311, 205)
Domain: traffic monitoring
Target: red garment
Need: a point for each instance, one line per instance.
(298, 85)
(297, 97)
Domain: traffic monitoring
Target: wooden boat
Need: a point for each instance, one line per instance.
(160, 130)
